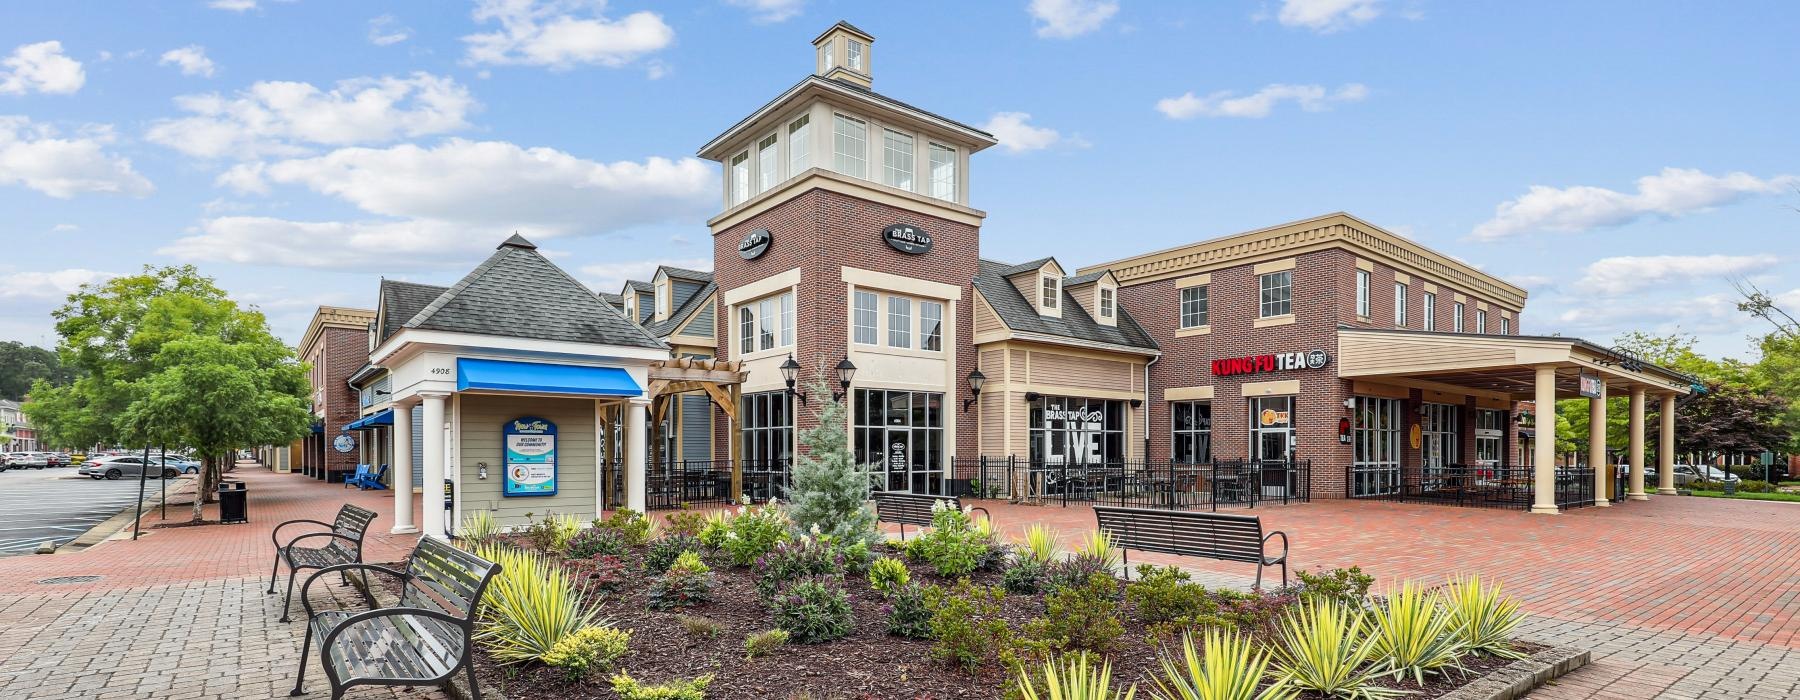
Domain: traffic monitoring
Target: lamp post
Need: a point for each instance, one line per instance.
(976, 381)
(846, 371)
(790, 370)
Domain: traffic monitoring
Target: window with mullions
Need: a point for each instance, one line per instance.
(1362, 293)
(1375, 467)
(1193, 307)
(740, 177)
(900, 437)
(931, 325)
(899, 322)
(768, 168)
(1399, 304)
(767, 430)
(799, 145)
(1440, 436)
(1106, 302)
(1072, 431)
(1277, 294)
(850, 143)
(766, 324)
(943, 172)
(1458, 309)
(865, 318)
(1192, 428)
(1430, 310)
(896, 159)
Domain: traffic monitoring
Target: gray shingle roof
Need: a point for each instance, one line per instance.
(666, 327)
(614, 300)
(686, 274)
(1018, 313)
(640, 285)
(401, 301)
(1010, 270)
(517, 293)
(1083, 279)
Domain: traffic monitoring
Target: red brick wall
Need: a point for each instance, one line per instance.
(346, 350)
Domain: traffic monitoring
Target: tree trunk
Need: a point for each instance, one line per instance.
(205, 485)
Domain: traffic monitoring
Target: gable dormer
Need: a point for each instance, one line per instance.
(1098, 295)
(844, 53)
(1040, 282)
(661, 296)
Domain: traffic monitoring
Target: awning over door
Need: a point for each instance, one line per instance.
(385, 417)
(543, 378)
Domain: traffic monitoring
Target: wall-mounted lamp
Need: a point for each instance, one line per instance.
(1350, 404)
(976, 381)
(379, 392)
(1032, 396)
(846, 372)
(481, 470)
(790, 370)
(1136, 403)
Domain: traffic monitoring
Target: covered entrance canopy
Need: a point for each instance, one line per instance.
(694, 481)
(1542, 369)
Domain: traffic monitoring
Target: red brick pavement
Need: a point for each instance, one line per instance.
(1698, 565)
(172, 555)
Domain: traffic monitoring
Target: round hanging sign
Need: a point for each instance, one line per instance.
(755, 244)
(344, 443)
(907, 239)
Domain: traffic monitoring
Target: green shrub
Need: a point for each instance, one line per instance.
(1348, 587)
(602, 573)
(765, 643)
(1163, 595)
(857, 557)
(1322, 646)
(529, 606)
(1025, 576)
(754, 532)
(1078, 618)
(631, 526)
(715, 529)
(794, 560)
(661, 553)
(687, 583)
(685, 522)
(813, 610)
(1231, 669)
(589, 649)
(909, 610)
(1414, 636)
(629, 688)
(1483, 618)
(967, 624)
(595, 542)
(953, 547)
(552, 534)
(1072, 679)
(1075, 570)
(699, 627)
(888, 574)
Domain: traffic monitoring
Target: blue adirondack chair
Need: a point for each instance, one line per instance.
(362, 472)
(372, 480)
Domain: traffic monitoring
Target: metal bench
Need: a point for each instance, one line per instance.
(423, 640)
(907, 508)
(343, 545)
(1192, 534)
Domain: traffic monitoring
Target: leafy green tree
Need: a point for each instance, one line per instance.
(830, 491)
(21, 365)
(1779, 372)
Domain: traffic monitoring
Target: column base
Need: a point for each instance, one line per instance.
(1602, 503)
(1667, 492)
(403, 530)
(1545, 510)
(1638, 496)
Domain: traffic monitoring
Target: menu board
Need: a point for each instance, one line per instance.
(530, 463)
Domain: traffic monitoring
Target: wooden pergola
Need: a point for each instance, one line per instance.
(721, 380)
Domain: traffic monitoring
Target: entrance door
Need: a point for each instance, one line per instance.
(899, 460)
(1272, 446)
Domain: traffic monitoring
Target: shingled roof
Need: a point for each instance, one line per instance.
(667, 326)
(518, 293)
(681, 273)
(1018, 314)
(401, 301)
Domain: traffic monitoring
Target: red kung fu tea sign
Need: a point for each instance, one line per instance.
(1271, 362)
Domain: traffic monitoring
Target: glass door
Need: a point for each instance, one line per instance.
(899, 459)
(1272, 445)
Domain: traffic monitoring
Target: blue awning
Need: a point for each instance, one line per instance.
(538, 377)
(385, 417)
(318, 427)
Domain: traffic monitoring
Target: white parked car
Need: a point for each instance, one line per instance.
(116, 467)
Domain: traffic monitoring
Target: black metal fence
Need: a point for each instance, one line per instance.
(694, 482)
(1486, 486)
(767, 479)
(1138, 483)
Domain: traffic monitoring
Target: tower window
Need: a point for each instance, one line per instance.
(766, 163)
(943, 172)
(830, 55)
(855, 49)
(740, 177)
(799, 145)
(897, 159)
(850, 141)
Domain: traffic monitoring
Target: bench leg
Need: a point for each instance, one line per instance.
(288, 601)
(274, 570)
(300, 677)
(474, 687)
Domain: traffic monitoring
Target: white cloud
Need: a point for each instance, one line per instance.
(770, 11)
(1626, 274)
(47, 285)
(549, 33)
(40, 67)
(1066, 19)
(283, 118)
(386, 31)
(1671, 193)
(1327, 16)
(1017, 136)
(64, 228)
(38, 157)
(610, 277)
(1705, 314)
(233, 5)
(1312, 98)
(191, 59)
(428, 205)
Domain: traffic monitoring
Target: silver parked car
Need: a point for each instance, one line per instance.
(116, 467)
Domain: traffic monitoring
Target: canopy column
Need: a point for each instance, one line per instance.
(402, 471)
(1597, 445)
(1543, 458)
(1637, 446)
(1665, 448)
(635, 454)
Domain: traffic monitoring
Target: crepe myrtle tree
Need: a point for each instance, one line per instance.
(830, 494)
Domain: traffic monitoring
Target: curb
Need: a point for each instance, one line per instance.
(117, 523)
(1514, 680)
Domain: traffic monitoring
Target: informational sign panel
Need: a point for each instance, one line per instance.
(344, 442)
(530, 462)
(1591, 386)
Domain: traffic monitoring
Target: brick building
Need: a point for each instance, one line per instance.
(336, 344)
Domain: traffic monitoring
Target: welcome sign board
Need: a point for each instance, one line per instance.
(530, 462)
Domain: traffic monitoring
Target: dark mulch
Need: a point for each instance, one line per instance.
(184, 523)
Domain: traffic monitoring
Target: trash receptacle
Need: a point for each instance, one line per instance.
(233, 502)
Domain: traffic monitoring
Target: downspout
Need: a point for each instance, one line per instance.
(1152, 361)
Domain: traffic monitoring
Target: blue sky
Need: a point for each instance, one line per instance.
(1621, 160)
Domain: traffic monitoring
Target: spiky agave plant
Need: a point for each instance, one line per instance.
(529, 606)
(1414, 635)
(1041, 543)
(1323, 646)
(1232, 668)
(1072, 678)
(480, 526)
(1483, 618)
(1098, 544)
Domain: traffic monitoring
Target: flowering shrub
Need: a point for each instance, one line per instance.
(813, 610)
(796, 559)
(604, 573)
(909, 611)
(1025, 576)
(1075, 570)
(688, 582)
(685, 522)
(954, 546)
(754, 531)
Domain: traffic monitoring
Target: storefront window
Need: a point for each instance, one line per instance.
(1192, 441)
(900, 437)
(1375, 469)
(1440, 432)
(768, 430)
(1076, 431)
(1490, 427)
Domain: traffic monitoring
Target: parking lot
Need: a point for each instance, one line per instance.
(55, 504)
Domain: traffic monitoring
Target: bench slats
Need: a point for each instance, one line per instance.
(902, 507)
(1211, 535)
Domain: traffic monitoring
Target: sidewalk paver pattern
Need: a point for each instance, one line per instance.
(1677, 597)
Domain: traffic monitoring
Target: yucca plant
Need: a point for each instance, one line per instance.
(480, 526)
(1041, 543)
(1231, 669)
(1072, 679)
(529, 606)
(1323, 647)
(1414, 636)
(1098, 544)
(1483, 618)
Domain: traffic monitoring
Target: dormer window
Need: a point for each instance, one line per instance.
(856, 55)
(1106, 302)
(1051, 291)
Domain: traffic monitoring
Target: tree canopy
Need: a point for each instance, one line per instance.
(21, 365)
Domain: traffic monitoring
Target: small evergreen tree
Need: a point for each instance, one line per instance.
(830, 491)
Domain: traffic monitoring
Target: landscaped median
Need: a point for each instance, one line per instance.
(744, 604)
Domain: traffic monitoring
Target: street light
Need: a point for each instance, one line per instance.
(846, 371)
(789, 371)
(976, 381)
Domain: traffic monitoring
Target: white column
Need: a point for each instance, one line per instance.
(1636, 492)
(1543, 443)
(433, 512)
(402, 471)
(1597, 446)
(636, 451)
(1665, 448)
(599, 461)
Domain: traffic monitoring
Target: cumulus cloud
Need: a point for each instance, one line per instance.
(38, 157)
(610, 276)
(1066, 19)
(770, 11)
(1626, 274)
(283, 118)
(233, 5)
(1018, 136)
(1671, 193)
(559, 34)
(1327, 16)
(40, 67)
(1704, 314)
(55, 284)
(1225, 103)
(438, 203)
(191, 59)
(386, 31)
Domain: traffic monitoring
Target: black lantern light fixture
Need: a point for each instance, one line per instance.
(976, 381)
(846, 371)
(790, 371)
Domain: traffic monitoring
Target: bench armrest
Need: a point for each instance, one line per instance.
(307, 602)
(275, 535)
(333, 535)
(326, 644)
(1284, 547)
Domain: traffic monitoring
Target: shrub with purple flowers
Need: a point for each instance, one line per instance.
(813, 610)
(797, 559)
